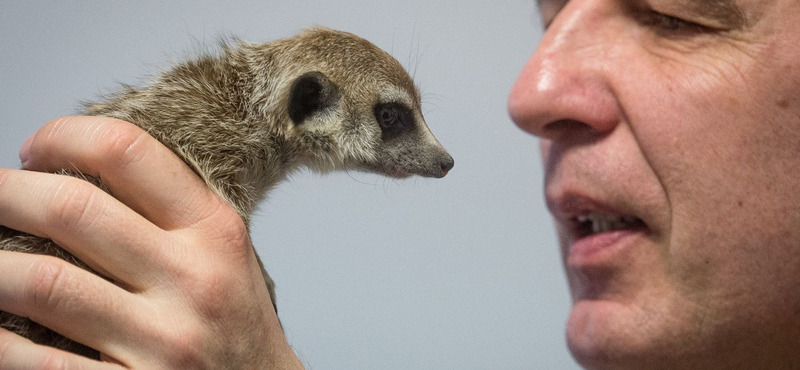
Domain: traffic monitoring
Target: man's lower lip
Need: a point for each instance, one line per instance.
(598, 249)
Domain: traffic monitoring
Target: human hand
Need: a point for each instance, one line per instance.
(187, 289)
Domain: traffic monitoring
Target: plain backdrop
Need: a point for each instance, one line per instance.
(457, 273)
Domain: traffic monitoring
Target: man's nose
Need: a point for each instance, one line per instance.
(566, 83)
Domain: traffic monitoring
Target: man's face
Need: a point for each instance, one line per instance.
(670, 132)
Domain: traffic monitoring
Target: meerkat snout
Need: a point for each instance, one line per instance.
(445, 163)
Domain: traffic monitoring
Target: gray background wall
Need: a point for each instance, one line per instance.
(458, 273)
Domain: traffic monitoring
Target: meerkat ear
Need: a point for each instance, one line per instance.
(310, 93)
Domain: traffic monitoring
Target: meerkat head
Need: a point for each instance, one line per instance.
(355, 107)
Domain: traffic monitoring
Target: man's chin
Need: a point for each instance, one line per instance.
(604, 334)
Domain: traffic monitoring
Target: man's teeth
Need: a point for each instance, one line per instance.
(601, 223)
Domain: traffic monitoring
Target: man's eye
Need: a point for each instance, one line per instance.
(669, 23)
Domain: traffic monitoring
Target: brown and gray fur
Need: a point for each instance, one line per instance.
(246, 118)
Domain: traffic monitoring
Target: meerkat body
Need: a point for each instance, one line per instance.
(248, 117)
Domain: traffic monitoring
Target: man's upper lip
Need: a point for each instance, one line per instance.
(568, 205)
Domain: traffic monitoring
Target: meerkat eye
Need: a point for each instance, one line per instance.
(387, 116)
(393, 119)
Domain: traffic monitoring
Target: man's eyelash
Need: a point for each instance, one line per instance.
(661, 22)
(667, 23)
(671, 23)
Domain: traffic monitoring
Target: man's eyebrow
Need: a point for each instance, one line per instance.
(725, 11)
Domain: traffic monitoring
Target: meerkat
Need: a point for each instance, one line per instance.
(246, 118)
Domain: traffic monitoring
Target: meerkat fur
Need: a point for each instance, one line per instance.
(248, 117)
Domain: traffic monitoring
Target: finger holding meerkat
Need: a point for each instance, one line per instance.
(123, 156)
(21, 354)
(71, 301)
(84, 220)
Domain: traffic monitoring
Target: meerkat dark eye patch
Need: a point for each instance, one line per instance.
(393, 119)
(310, 93)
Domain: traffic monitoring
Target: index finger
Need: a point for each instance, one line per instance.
(137, 169)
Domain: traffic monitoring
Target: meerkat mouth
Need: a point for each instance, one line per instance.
(597, 223)
(389, 171)
(395, 172)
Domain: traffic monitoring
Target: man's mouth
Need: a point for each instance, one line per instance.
(596, 223)
(596, 231)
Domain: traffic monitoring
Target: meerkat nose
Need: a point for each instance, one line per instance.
(447, 165)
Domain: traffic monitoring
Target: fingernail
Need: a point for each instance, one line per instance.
(25, 151)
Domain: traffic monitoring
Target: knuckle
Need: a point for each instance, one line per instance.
(224, 232)
(233, 243)
(207, 288)
(47, 283)
(185, 345)
(234, 233)
(73, 206)
(229, 228)
(124, 144)
(212, 294)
